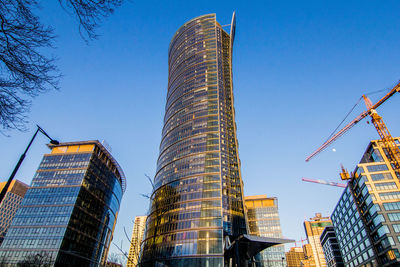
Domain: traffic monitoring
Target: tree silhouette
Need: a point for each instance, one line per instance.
(42, 259)
(25, 69)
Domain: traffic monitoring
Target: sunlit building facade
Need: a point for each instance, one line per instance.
(314, 228)
(300, 257)
(198, 191)
(367, 216)
(10, 204)
(136, 239)
(263, 220)
(294, 257)
(68, 214)
(331, 248)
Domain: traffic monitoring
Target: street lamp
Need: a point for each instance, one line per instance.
(5, 188)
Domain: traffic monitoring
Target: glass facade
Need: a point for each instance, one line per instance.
(68, 214)
(263, 219)
(331, 248)
(355, 246)
(367, 217)
(198, 191)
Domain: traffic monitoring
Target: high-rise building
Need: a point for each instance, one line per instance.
(314, 228)
(68, 214)
(367, 216)
(10, 204)
(263, 219)
(136, 239)
(349, 226)
(197, 200)
(331, 248)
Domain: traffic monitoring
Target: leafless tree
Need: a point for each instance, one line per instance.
(90, 13)
(114, 258)
(42, 259)
(133, 258)
(26, 68)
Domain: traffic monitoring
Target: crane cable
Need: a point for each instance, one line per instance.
(351, 110)
(340, 124)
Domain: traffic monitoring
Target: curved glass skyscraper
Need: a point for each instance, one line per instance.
(197, 203)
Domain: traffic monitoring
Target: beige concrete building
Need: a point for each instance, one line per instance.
(10, 204)
(136, 239)
(314, 228)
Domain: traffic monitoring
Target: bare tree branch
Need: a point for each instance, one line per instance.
(25, 69)
(90, 14)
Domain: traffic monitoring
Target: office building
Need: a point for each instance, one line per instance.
(136, 240)
(314, 228)
(69, 212)
(355, 246)
(263, 220)
(331, 248)
(10, 204)
(300, 257)
(367, 216)
(197, 202)
(294, 257)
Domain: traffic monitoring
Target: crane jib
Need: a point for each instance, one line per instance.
(355, 121)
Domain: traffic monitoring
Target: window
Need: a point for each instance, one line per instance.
(378, 219)
(383, 230)
(392, 206)
(385, 186)
(389, 195)
(396, 228)
(377, 168)
(381, 176)
(394, 217)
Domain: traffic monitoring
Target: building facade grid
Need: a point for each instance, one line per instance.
(136, 240)
(10, 204)
(68, 214)
(331, 248)
(263, 219)
(198, 190)
(374, 195)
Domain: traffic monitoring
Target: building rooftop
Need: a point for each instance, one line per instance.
(104, 150)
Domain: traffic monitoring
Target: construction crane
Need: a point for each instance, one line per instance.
(323, 182)
(387, 139)
(302, 242)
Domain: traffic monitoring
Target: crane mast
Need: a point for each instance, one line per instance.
(392, 149)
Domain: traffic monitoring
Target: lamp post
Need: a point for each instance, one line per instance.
(5, 188)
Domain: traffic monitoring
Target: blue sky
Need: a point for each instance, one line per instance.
(298, 66)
